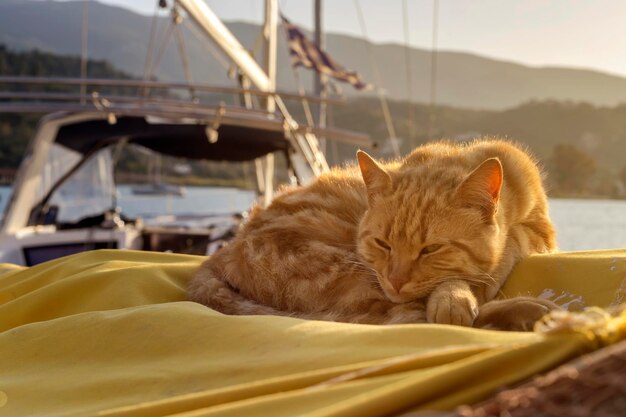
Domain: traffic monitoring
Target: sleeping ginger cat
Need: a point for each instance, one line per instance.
(430, 238)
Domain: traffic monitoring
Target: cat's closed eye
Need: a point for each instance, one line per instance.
(430, 249)
(382, 244)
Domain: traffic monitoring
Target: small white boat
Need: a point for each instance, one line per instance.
(158, 189)
(65, 201)
(64, 197)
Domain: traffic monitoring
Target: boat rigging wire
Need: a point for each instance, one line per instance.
(409, 75)
(151, 40)
(84, 38)
(391, 130)
(162, 48)
(433, 71)
(210, 47)
(305, 103)
(177, 19)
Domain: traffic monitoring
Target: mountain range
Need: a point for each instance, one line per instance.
(121, 36)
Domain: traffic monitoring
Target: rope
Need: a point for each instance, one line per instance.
(433, 70)
(177, 19)
(166, 38)
(210, 47)
(213, 51)
(391, 130)
(409, 78)
(305, 103)
(600, 327)
(153, 30)
(149, 64)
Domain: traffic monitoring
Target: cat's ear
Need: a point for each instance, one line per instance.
(482, 187)
(376, 180)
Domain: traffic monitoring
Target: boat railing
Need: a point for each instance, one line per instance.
(25, 94)
(144, 87)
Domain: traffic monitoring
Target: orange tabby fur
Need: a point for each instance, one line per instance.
(429, 238)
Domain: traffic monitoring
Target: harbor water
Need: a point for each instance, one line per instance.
(581, 224)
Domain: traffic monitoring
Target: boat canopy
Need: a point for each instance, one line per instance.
(234, 142)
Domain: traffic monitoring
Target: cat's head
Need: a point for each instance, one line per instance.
(429, 224)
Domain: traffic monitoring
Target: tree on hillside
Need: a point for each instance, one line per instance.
(17, 129)
(570, 169)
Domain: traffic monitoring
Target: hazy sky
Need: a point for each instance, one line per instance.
(574, 33)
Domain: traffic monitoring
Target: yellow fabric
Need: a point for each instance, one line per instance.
(576, 279)
(108, 333)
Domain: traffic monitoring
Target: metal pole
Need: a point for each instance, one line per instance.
(207, 21)
(156, 84)
(270, 35)
(319, 86)
(265, 165)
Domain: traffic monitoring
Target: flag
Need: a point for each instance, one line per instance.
(305, 53)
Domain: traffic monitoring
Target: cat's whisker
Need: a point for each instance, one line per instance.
(369, 273)
(485, 278)
(358, 264)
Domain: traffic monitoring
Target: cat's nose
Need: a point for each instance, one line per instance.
(397, 281)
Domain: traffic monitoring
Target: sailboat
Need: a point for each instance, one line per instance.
(64, 198)
(108, 332)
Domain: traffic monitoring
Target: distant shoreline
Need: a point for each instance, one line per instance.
(245, 185)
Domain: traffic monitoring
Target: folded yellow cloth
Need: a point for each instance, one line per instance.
(109, 333)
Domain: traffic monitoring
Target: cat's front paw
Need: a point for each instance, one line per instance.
(450, 304)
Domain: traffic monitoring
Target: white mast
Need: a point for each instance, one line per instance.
(204, 17)
(270, 34)
(265, 165)
(314, 162)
